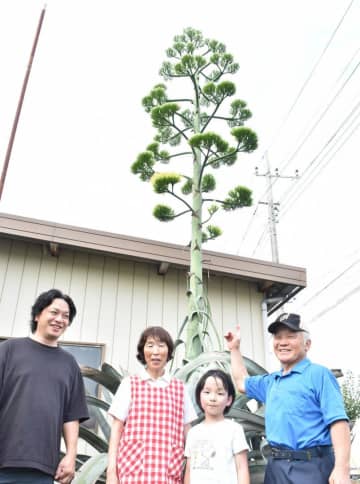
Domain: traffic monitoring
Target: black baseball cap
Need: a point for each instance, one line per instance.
(290, 320)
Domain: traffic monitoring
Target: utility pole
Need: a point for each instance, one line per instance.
(20, 103)
(273, 207)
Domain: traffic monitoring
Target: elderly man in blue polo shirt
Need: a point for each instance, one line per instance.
(306, 424)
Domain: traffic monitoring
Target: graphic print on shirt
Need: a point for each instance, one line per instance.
(203, 455)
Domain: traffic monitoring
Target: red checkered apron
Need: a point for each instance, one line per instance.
(151, 448)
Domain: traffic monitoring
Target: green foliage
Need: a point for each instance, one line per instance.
(156, 97)
(350, 388)
(238, 197)
(164, 213)
(247, 139)
(143, 165)
(239, 113)
(213, 209)
(208, 183)
(206, 63)
(187, 187)
(212, 231)
(162, 181)
(186, 123)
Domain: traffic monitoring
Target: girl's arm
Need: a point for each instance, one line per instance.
(117, 428)
(187, 471)
(242, 467)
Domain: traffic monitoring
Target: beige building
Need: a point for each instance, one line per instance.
(121, 284)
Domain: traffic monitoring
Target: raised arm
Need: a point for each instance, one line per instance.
(238, 367)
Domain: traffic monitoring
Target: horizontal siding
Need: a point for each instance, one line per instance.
(116, 299)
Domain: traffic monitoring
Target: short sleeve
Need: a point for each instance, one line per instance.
(76, 408)
(120, 405)
(256, 386)
(239, 440)
(330, 397)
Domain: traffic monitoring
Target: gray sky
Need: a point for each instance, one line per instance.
(82, 125)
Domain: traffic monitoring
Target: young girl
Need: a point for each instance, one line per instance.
(216, 449)
(150, 412)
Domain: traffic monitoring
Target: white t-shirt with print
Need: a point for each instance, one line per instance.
(211, 448)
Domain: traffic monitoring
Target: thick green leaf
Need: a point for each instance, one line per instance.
(93, 468)
(96, 408)
(111, 382)
(94, 440)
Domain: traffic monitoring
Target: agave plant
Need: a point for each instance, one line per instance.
(91, 469)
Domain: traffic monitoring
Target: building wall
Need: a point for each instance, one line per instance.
(116, 299)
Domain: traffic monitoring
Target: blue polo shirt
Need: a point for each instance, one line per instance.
(299, 406)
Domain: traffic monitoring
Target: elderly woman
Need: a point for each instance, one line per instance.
(150, 413)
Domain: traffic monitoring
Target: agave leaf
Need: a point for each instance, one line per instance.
(80, 459)
(108, 381)
(246, 417)
(216, 356)
(253, 368)
(95, 407)
(185, 371)
(91, 470)
(96, 402)
(240, 402)
(108, 396)
(94, 440)
(110, 370)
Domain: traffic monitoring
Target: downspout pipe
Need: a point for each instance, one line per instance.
(266, 334)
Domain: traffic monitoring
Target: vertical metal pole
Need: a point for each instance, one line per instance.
(271, 214)
(20, 103)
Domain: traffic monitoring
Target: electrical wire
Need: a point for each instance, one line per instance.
(337, 303)
(291, 203)
(293, 106)
(330, 283)
(266, 230)
(308, 79)
(334, 138)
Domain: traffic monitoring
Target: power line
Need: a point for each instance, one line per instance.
(306, 138)
(307, 80)
(331, 140)
(317, 122)
(330, 283)
(247, 230)
(289, 204)
(294, 200)
(329, 271)
(284, 164)
(341, 300)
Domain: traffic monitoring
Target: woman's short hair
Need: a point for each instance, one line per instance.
(44, 300)
(156, 332)
(226, 381)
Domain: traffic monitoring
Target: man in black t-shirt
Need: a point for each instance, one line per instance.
(41, 398)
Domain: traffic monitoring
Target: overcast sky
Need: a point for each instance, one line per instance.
(82, 125)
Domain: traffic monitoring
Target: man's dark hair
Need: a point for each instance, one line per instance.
(44, 300)
(156, 332)
(226, 381)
